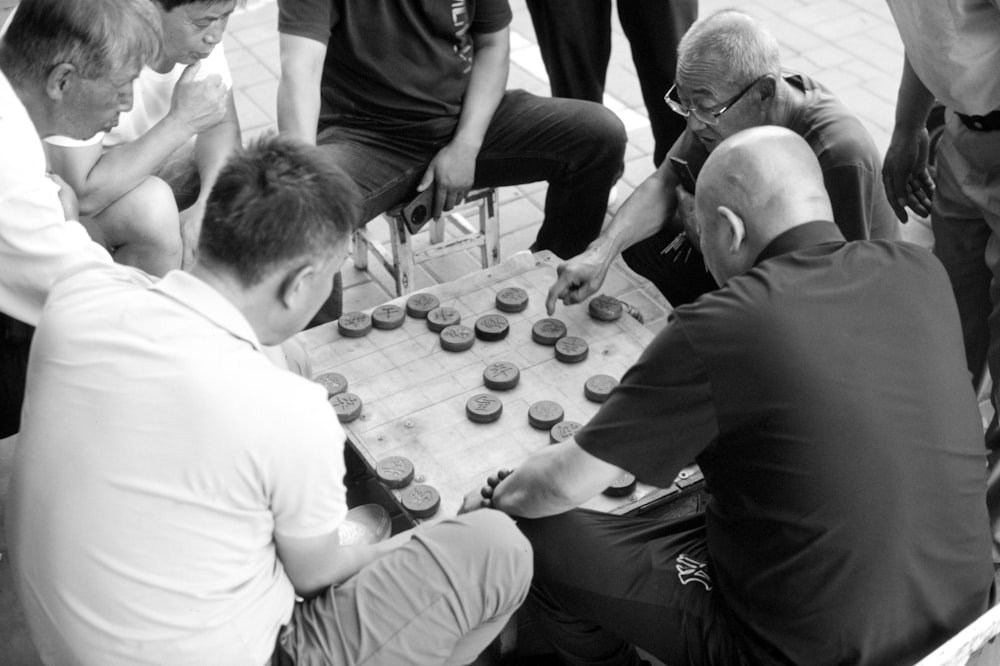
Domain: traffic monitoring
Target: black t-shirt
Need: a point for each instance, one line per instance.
(394, 65)
(825, 395)
(851, 164)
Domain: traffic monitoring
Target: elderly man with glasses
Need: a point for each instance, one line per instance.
(729, 78)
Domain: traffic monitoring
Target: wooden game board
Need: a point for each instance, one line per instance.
(415, 392)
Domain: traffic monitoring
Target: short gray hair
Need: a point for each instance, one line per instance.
(734, 46)
(98, 37)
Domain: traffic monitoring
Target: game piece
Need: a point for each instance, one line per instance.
(501, 376)
(418, 305)
(547, 331)
(605, 308)
(571, 349)
(354, 324)
(441, 318)
(388, 317)
(422, 501)
(365, 524)
(347, 405)
(492, 327)
(483, 408)
(334, 382)
(394, 471)
(512, 299)
(457, 338)
(621, 487)
(563, 430)
(597, 388)
(544, 414)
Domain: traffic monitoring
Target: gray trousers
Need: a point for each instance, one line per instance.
(438, 599)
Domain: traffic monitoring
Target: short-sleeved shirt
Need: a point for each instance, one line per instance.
(825, 396)
(851, 163)
(160, 454)
(954, 47)
(394, 66)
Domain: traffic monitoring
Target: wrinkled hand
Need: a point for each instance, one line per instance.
(67, 197)
(578, 279)
(904, 172)
(685, 213)
(199, 104)
(451, 173)
(190, 230)
(483, 498)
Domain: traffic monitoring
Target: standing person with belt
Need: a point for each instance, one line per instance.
(953, 55)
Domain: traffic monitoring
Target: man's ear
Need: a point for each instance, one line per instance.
(293, 286)
(59, 80)
(766, 88)
(737, 230)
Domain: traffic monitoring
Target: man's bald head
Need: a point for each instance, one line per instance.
(755, 186)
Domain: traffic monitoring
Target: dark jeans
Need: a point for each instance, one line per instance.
(576, 146)
(575, 40)
(15, 341)
(605, 584)
(678, 271)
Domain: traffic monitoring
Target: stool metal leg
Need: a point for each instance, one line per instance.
(402, 251)
(360, 254)
(489, 225)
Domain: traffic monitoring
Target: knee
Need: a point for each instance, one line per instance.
(607, 133)
(146, 216)
(504, 551)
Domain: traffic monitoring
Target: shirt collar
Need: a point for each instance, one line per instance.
(800, 237)
(209, 303)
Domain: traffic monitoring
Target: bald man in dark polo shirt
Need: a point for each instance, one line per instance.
(823, 391)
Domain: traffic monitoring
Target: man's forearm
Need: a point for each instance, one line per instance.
(298, 109)
(914, 101)
(213, 147)
(487, 83)
(642, 215)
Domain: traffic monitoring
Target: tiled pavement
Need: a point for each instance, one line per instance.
(849, 45)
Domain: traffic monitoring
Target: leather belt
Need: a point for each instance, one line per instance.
(988, 123)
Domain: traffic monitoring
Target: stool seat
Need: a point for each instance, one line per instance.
(401, 259)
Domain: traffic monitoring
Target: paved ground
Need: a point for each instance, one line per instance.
(849, 45)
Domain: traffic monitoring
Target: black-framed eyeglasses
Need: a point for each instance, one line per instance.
(706, 117)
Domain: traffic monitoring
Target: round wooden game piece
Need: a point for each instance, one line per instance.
(334, 382)
(501, 376)
(512, 299)
(621, 487)
(547, 331)
(492, 327)
(563, 430)
(605, 308)
(544, 414)
(418, 305)
(483, 408)
(457, 338)
(388, 317)
(394, 471)
(571, 349)
(441, 318)
(347, 405)
(354, 324)
(422, 501)
(597, 388)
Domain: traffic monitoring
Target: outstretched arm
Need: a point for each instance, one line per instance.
(641, 216)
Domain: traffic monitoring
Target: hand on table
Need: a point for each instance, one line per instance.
(451, 173)
(907, 180)
(577, 279)
(483, 498)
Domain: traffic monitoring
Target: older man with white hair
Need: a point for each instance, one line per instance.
(730, 78)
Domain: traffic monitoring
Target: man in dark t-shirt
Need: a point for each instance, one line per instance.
(729, 78)
(411, 95)
(823, 391)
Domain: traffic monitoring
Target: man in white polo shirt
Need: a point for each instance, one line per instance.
(142, 185)
(173, 490)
